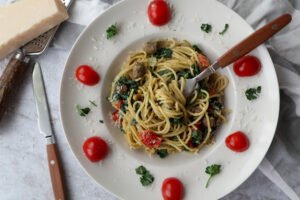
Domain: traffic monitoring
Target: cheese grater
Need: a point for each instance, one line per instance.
(20, 61)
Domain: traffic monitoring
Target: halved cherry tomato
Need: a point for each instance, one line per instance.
(172, 189)
(247, 66)
(159, 12)
(95, 148)
(150, 139)
(87, 75)
(237, 141)
(203, 60)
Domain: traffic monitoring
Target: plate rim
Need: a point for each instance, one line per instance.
(66, 63)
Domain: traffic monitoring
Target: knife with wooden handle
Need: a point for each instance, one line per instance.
(46, 130)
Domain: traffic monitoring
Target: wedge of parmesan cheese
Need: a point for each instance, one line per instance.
(24, 20)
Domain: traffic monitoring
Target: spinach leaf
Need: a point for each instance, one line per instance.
(176, 121)
(215, 104)
(163, 53)
(195, 138)
(195, 69)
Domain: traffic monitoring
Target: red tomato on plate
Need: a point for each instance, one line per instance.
(87, 75)
(150, 139)
(172, 189)
(237, 141)
(119, 104)
(247, 66)
(159, 12)
(95, 148)
(115, 118)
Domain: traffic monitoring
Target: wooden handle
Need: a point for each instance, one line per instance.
(254, 40)
(55, 173)
(11, 79)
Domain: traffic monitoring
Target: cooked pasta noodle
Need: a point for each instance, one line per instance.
(151, 109)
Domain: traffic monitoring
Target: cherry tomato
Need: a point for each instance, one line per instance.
(95, 149)
(172, 189)
(247, 66)
(159, 12)
(150, 139)
(237, 141)
(87, 75)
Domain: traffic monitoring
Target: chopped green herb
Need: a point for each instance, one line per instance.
(253, 93)
(93, 103)
(225, 29)
(195, 138)
(111, 31)
(212, 171)
(101, 121)
(146, 178)
(162, 153)
(196, 48)
(206, 28)
(82, 111)
(163, 53)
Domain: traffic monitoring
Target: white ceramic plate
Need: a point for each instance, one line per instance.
(116, 173)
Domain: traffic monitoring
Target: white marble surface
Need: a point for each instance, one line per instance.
(23, 166)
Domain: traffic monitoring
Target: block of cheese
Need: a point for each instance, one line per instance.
(24, 20)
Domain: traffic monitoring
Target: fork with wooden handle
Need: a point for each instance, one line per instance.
(239, 50)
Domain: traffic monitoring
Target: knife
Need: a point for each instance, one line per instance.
(46, 130)
(13, 73)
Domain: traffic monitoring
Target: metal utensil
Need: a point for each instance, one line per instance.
(15, 69)
(46, 130)
(239, 50)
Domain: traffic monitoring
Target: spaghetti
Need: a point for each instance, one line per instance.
(151, 109)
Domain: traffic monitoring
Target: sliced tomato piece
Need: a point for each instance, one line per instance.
(203, 60)
(150, 139)
(119, 104)
(115, 115)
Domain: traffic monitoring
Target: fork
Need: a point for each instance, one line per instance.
(239, 50)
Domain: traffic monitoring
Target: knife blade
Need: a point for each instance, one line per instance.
(45, 128)
(42, 104)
